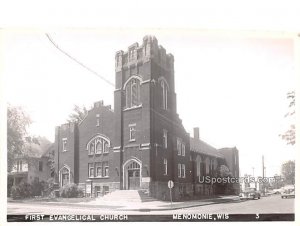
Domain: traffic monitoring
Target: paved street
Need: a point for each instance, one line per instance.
(271, 204)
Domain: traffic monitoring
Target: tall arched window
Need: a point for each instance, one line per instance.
(198, 164)
(98, 146)
(92, 148)
(132, 89)
(207, 164)
(164, 92)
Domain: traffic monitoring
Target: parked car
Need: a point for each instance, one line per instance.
(288, 193)
(250, 193)
(277, 191)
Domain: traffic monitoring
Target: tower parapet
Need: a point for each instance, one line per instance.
(149, 49)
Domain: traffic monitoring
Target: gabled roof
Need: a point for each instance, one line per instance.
(199, 146)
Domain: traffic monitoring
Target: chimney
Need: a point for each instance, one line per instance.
(196, 133)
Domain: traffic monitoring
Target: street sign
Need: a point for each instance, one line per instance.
(170, 184)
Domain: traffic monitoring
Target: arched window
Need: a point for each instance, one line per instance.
(98, 145)
(132, 89)
(133, 165)
(92, 148)
(207, 164)
(105, 148)
(164, 92)
(198, 163)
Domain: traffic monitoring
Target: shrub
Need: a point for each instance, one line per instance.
(23, 190)
(15, 192)
(37, 188)
(50, 183)
(47, 187)
(70, 191)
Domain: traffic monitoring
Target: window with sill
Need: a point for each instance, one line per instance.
(91, 169)
(183, 170)
(98, 166)
(64, 144)
(179, 170)
(105, 167)
(165, 138)
(165, 167)
(98, 169)
(179, 146)
(97, 120)
(19, 166)
(132, 132)
(182, 149)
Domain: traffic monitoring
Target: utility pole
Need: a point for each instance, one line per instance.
(255, 183)
(263, 175)
(263, 167)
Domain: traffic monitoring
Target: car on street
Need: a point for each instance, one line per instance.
(288, 193)
(250, 193)
(277, 191)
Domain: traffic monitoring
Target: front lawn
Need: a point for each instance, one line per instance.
(47, 199)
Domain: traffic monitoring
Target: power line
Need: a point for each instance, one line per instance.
(101, 77)
(77, 61)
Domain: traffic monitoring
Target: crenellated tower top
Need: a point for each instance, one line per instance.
(149, 50)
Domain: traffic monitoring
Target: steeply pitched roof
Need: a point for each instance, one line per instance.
(200, 146)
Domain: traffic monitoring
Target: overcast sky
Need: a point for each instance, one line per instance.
(232, 86)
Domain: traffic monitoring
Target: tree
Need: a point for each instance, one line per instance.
(223, 187)
(223, 171)
(288, 172)
(289, 135)
(78, 115)
(17, 123)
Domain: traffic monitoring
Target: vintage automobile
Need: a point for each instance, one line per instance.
(288, 193)
(250, 193)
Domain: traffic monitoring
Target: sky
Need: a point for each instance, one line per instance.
(232, 86)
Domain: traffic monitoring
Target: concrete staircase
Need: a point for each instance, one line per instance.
(137, 196)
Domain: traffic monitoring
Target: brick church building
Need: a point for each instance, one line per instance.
(141, 143)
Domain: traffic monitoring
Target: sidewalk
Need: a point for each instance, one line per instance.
(163, 205)
(142, 206)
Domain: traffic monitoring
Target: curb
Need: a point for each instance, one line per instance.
(203, 202)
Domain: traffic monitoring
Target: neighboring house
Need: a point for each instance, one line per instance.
(33, 165)
(142, 143)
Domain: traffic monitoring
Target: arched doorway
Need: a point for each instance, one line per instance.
(132, 174)
(64, 175)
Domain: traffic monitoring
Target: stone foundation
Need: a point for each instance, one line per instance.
(101, 188)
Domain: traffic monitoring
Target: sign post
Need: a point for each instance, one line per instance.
(88, 188)
(170, 185)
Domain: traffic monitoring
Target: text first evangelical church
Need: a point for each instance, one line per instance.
(141, 144)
